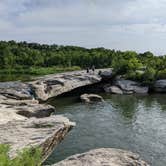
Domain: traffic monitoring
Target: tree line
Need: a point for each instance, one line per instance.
(133, 65)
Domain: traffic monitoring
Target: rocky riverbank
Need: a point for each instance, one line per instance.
(26, 122)
(122, 86)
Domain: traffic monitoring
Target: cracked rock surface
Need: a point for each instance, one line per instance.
(104, 157)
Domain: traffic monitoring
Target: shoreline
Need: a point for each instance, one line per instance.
(25, 106)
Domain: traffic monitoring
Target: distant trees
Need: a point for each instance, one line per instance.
(24, 55)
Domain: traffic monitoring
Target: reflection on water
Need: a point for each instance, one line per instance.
(135, 123)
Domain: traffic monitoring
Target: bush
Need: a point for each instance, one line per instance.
(161, 74)
(149, 76)
(134, 75)
(28, 157)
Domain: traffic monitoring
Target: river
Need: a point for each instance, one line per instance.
(130, 122)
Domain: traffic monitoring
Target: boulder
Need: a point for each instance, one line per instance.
(112, 89)
(129, 87)
(90, 98)
(104, 157)
(106, 74)
(160, 86)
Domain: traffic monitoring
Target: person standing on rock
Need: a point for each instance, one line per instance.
(93, 69)
(87, 69)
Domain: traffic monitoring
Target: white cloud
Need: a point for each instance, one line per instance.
(130, 24)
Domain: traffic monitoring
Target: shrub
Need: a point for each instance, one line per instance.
(161, 74)
(28, 157)
(149, 76)
(134, 75)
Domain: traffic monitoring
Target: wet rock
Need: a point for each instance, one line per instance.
(104, 157)
(90, 98)
(129, 87)
(160, 86)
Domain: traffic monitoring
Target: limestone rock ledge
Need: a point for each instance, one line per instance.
(56, 84)
(104, 157)
(20, 132)
(24, 124)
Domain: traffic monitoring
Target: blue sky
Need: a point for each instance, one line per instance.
(138, 25)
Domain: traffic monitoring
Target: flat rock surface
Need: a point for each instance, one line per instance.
(104, 157)
(7, 115)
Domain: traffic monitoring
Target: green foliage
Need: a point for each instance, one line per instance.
(134, 75)
(149, 75)
(4, 159)
(161, 74)
(39, 59)
(28, 157)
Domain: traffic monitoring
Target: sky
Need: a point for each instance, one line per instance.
(138, 25)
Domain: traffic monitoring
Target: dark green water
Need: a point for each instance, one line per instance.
(135, 123)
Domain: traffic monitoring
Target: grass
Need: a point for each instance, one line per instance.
(25, 74)
(28, 157)
(38, 70)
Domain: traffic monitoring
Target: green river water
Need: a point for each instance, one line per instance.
(130, 122)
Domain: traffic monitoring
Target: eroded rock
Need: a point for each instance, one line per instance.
(90, 98)
(104, 157)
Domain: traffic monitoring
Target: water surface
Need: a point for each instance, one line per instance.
(135, 123)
